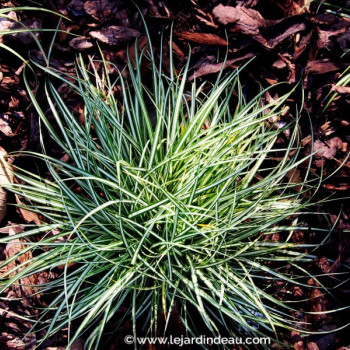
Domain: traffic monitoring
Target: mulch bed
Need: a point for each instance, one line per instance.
(300, 42)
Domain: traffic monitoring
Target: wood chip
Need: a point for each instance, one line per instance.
(27, 37)
(102, 9)
(206, 22)
(17, 228)
(6, 177)
(202, 38)
(5, 128)
(327, 149)
(321, 67)
(8, 83)
(80, 43)
(323, 264)
(282, 31)
(76, 7)
(247, 3)
(11, 342)
(336, 188)
(25, 288)
(114, 35)
(243, 20)
(78, 344)
(216, 67)
(325, 129)
(318, 304)
(247, 20)
(6, 23)
(178, 52)
(343, 41)
(341, 89)
(27, 215)
(312, 346)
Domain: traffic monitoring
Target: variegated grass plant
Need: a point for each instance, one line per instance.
(179, 194)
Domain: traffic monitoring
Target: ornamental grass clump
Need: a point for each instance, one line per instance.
(168, 202)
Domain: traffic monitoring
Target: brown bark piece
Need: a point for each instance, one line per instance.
(341, 89)
(324, 129)
(302, 45)
(336, 188)
(80, 43)
(202, 38)
(76, 7)
(7, 83)
(249, 22)
(5, 128)
(318, 304)
(323, 264)
(27, 215)
(78, 344)
(297, 341)
(332, 29)
(312, 346)
(299, 345)
(325, 37)
(26, 37)
(6, 177)
(343, 41)
(206, 18)
(11, 342)
(321, 67)
(24, 287)
(6, 23)
(178, 52)
(153, 10)
(280, 34)
(216, 67)
(243, 20)
(327, 149)
(59, 64)
(102, 9)
(247, 3)
(246, 20)
(114, 35)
